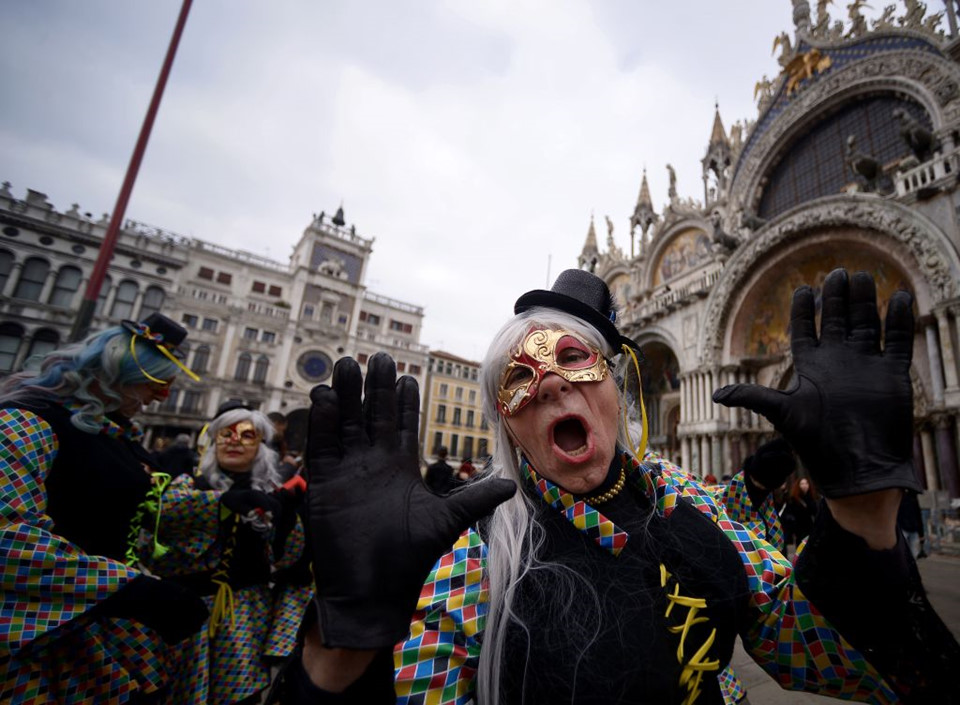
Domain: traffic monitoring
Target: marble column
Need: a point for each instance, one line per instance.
(936, 369)
(716, 457)
(685, 462)
(736, 453)
(947, 352)
(918, 467)
(704, 456)
(15, 271)
(25, 342)
(929, 460)
(47, 287)
(947, 456)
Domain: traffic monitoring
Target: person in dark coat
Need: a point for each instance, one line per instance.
(799, 512)
(178, 458)
(440, 475)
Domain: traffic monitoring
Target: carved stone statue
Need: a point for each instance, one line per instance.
(858, 24)
(612, 248)
(913, 18)
(885, 21)
(672, 191)
(723, 242)
(922, 142)
(786, 46)
(750, 220)
(822, 26)
(863, 165)
(763, 90)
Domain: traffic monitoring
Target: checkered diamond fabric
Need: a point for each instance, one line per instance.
(790, 639)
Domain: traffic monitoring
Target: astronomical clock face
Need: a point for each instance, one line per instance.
(314, 366)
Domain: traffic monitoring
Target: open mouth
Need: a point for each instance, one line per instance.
(570, 436)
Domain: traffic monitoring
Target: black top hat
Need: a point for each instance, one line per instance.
(158, 329)
(585, 296)
(230, 405)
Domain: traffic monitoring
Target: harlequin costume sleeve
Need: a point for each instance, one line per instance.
(55, 647)
(252, 621)
(784, 631)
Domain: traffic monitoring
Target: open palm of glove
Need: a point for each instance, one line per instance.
(850, 416)
(375, 528)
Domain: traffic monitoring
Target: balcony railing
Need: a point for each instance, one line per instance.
(941, 166)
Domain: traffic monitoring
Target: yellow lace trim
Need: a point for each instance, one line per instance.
(693, 668)
(222, 610)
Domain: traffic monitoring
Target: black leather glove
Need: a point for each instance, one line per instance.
(165, 606)
(850, 417)
(769, 467)
(375, 528)
(243, 501)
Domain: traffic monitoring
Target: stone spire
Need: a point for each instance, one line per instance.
(590, 254)
(716, 163)
(643, 214)
(801, 17)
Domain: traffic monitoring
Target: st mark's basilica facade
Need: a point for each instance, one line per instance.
(852, 160)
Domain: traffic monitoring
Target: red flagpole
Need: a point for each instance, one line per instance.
(81, 325)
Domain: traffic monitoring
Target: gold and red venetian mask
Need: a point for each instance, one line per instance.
(242, 433)
(541, 352)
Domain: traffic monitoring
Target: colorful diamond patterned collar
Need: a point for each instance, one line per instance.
(109, 428)
(592, 522)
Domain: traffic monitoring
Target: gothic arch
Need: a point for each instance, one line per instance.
(666, 241)
(926, 78)
(924, 252)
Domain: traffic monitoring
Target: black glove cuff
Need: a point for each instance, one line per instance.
(861, 477)
(357, 624)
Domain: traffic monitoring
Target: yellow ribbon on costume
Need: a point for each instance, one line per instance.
(222, 608)
(223, 602)
(637, 452)
(162, 348)
(692, 671)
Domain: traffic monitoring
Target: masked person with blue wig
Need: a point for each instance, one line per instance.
(80, 621)
(588, 569)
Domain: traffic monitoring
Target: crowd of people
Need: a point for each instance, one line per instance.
(575, 565)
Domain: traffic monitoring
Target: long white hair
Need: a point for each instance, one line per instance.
(514, 536)
(264, 475)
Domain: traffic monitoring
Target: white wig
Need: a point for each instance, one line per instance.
(264, 475)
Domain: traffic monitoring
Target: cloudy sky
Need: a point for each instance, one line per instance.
(472, 139)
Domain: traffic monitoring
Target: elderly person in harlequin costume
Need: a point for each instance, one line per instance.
(80, 622)
(227, 531)
(610, 575)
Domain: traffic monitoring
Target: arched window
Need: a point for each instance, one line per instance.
(243, 367)
(124, 300)
(814, 164)
(10, 337)
(31, 279)
(102, 296)
(64, 289)
(44, 340)
(153, 299)
(201, 359)
(260, 369)
(6, 266)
